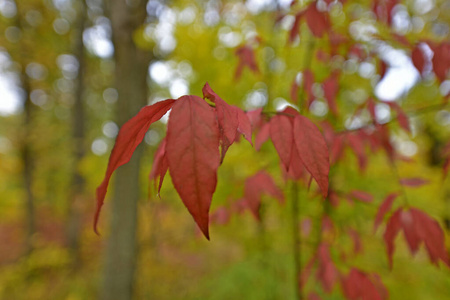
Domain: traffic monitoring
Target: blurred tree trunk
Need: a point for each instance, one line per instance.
(79, 144)
(27, 159)
(26, 147)
(131, 68)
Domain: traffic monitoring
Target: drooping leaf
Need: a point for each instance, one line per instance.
(413, 181)
(318, 21)
(282, 137)
(360, 285)
(257, 185)
(227, 117)
(441, 60)
(418, 58)
(361, 196)
(313, 151)
(294, 32)
(383, 209)
(356, 144)
(246, 57)
(130, 136)
(160, 165)
(262, 136)
(327, 273)
(418, 228)
(192, 151)
(402, 118)
(244, 125)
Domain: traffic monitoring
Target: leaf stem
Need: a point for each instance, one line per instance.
(296, 240)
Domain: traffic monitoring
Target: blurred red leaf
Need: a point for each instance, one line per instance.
(418, 58)
(413, 181)
(262, 136)
(246, 57)
(257, 185)
(318, 21)
(361, 196)
(384, 208)
(417, 227)
(359, 285)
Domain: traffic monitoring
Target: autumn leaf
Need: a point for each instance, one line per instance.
(193, 155)
(383, 209)
(418, 58)
(327, 274)
(360, 285)
(262, 136)
(313, 151)
(294, 32)
(130, 136)
(255, 187)
(413, 181)
(244, 125)
(418, 228)
(227, 117)
(160, 165)
(361, 196)
(441, 60)
(282, 138)
(318, 21)
(246, 57)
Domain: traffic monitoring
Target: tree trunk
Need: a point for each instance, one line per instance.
(131, 67)
(26, 148)
(27, 161)
(78, 134)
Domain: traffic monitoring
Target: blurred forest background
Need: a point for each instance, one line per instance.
(73, 71)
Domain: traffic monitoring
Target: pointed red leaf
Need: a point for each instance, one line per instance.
(193, 154)
(160, 165)
(282, 137)
(402, 118)
(361, 196)
(130, 136)
(227, 118)
(418, 58)
(327, 273)
(244, 126)
(257, 185)
(360, 285)
(262, 136)
(432, 234)
(318, 21)
(392, 229)
(246, 57)
(441, 60)
(294, 32)
(383, 209)
(313, 151)
(413, 181)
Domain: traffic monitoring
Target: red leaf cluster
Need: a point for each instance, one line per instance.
(417, 227)
(190, 151)
(300, 144)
